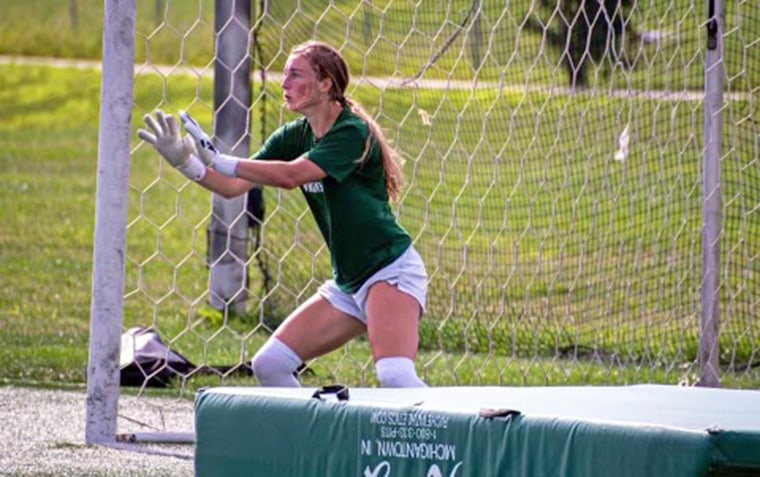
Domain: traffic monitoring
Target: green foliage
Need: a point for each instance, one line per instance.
(581, 31)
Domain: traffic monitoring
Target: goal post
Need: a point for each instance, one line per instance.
(709, 347)
(110, 241)
(228, 232)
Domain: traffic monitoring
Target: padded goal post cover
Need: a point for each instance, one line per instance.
(478, 431)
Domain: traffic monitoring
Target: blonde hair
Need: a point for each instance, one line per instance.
(328, 63)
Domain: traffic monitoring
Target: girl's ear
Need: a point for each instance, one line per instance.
(325, 85)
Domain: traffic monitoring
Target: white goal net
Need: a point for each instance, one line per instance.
(555, 157)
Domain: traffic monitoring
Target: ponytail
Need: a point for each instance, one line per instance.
(393, 163)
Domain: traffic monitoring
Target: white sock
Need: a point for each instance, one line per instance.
(275, 363)
(398, 372)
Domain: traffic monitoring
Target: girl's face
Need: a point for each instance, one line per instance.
(300, 86)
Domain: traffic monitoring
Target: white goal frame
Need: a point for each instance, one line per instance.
(110, 243)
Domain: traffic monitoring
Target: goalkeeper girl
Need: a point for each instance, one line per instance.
(337, 154)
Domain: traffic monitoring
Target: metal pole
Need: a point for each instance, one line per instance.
(228, 231)
(709, 351)
(110, 241)
(476, 37)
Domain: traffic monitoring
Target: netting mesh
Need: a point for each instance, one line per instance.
(554, 153)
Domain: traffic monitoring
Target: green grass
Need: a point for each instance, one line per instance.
(412, 34)
(578, 269)
(583, 311)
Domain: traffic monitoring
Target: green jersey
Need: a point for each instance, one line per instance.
(351, 204)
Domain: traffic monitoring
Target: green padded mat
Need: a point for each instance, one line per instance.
(643, 430)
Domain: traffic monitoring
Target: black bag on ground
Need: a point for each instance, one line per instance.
(145, 360)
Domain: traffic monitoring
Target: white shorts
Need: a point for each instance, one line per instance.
(407, 273)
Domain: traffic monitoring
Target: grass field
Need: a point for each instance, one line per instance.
(48, 166)
(183, 34)
(578, 269)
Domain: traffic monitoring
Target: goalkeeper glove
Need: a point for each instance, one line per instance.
(206, 149)
(167, 140)
(209, 154)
